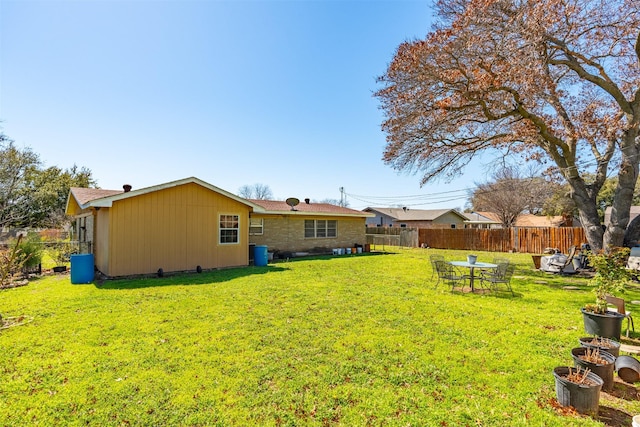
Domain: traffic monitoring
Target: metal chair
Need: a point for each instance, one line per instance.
(618, 304)
(450, 274)
(501, 276)
(433, 258)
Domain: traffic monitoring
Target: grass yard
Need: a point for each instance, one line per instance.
(337, 341)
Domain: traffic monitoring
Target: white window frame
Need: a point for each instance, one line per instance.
(226, 224)
(324, 227)
(256, 224)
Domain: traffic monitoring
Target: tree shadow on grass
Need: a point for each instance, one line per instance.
(553, 280)
(623, 390)
(185, 278)
(612, 417)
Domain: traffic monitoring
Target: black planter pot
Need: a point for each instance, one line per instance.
(60, 269)
(603, 370)
(602, 344)
(585, 398)
(602, 325)
(628, 368)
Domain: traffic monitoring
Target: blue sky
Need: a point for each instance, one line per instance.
(232, 92)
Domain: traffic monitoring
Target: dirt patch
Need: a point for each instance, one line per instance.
(9, 322)
(14, 284)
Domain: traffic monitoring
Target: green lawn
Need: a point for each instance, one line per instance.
(349, 340)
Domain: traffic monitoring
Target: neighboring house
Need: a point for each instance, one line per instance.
(176, 226)
(306, 227)
(477, 220)
(415, 218)
(633, 212)
(530, 220)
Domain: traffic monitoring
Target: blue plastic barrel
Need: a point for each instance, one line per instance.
(81, 268)
(261, 257)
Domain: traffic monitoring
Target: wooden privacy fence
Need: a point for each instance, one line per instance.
(519, 239)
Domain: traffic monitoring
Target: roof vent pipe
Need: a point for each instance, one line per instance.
(126, 188)
(307, 201)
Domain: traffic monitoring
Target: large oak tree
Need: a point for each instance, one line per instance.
(31, 196)
(555, 81)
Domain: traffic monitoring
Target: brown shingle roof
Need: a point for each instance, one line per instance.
(312, 208)
(402, 214)
(85, 195)
(530, 220)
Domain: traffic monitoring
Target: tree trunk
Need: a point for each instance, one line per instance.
(623, 198)
(632, 236)
(585, 201)
(591, 224)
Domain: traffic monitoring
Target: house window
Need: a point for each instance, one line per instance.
(453, 226)
(318, 228)
(256, 226)
(229, 229)
(403, 225)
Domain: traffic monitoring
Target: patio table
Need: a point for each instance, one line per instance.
(472, 267)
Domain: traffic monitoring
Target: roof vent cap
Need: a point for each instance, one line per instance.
(126, 188)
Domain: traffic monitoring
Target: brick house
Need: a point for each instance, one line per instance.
(306, 227)
(415, 218)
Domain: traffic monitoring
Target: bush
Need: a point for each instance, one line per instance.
(30, 250)
(611, 275)
(60, 251)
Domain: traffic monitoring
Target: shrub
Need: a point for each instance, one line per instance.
(30, 250)
(611, 275)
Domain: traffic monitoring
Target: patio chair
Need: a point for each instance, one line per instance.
(618, 307)
(450, 274)
(499, 277)
(433, 258)
(496, 261)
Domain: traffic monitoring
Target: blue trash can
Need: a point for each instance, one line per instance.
(81, 268)
(261, 257)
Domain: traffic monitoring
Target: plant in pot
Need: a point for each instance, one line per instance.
(60, 252)
(611, 277)
(599, 362)
(578, 388)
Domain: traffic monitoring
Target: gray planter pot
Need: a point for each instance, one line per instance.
(603, 370)
(602, 325)
(603, 344)
(584, 398)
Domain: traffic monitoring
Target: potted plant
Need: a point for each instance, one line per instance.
(599, 362)
(611, 277)
(578, 388)
(60, 251)
(602, 344)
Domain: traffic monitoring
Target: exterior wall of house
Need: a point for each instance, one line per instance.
(175, 229)
(413, 224)
(380, 220)
(100, 240)
(445, 221)
(286, 233)
(83, 231)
